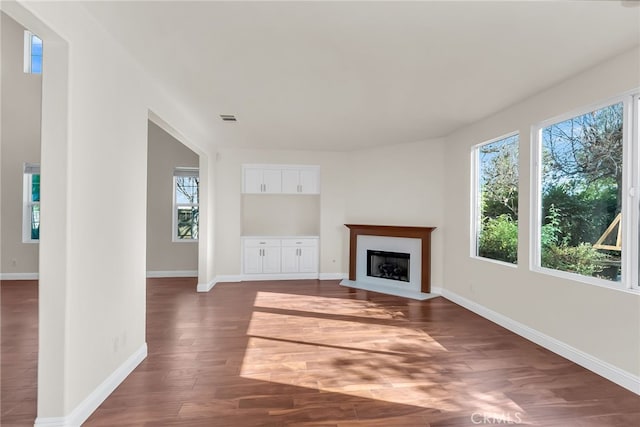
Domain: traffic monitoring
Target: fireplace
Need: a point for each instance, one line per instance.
(412, 243)
(388, 265)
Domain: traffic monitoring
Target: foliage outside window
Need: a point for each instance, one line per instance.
(31, 203)
(186, 204)
(497, 199)
(32, 53)
(581, 194)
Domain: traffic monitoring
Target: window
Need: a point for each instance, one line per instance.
(32, 53)
(586, 208)
(31, 203)
(185, 204)
(496, 199)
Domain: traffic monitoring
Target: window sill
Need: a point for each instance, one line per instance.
(616, 286)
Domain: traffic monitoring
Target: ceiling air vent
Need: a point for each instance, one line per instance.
(228, 117)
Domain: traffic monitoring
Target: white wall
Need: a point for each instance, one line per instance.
(21, 101)
(96, 104)
(280, 215)
(401, 185)
(165, 153)
(601, 322)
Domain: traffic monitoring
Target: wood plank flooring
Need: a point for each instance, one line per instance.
(312, 353)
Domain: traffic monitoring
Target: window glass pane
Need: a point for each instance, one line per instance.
(35, 222)
(581, 192)
(35, 188)
(498, 200)
(187, 189)
(36, 55)
(187, 222)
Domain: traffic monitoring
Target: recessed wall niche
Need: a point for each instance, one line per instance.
(280, 215)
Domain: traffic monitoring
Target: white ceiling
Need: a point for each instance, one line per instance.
(348, 75)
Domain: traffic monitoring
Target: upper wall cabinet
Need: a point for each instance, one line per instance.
(301, 181)
(280, 179)
(262, 180)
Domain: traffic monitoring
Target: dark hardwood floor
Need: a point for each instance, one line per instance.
(314, 353)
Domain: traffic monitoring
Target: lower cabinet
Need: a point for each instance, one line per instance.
(281, 256)
(299, 256)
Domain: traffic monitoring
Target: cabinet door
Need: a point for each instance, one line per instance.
(253, 181)
(290, 181)
(252, 262)
(308, 259)
(290, 259)
(309, 181)
(272, 179)
(271, 260)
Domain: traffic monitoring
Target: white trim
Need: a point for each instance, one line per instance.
(279, 276)
(173, 273)
(84, 410)
(206, 287)
(19, 276)
(333, 276)
(229, 278)
(612, 373)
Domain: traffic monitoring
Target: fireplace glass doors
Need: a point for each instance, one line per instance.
(388, 265)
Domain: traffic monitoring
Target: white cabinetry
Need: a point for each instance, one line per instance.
(299, 255)
(262, 180)
(261, 256)
(280, 179)
(301, 181)
(280, 258)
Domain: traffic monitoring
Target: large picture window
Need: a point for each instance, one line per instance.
(31, 203)
(496, 199)
(185, 204)
(587, 212)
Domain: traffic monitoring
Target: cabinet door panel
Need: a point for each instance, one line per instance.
(252, 263)
(290, 260)
(308, 260)
(309, 181)
(253, 180)
(272, 179)
(271, 260)
(290, 181)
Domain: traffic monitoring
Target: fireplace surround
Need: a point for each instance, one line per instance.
(421, 233)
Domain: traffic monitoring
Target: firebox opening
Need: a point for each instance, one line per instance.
(388, 265)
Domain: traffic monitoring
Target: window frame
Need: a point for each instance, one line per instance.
(29, 170)
(630, 185)
(181, 172)
(28, 52)
(476, 210)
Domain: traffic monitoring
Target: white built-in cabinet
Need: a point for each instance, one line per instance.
(280, 179)
(279, 257)
(261, 256)
(262, 180)
(299, 255)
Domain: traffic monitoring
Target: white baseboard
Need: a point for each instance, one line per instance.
(280, 276)
(333, 276)
(81, 412)
(19, 276)
(172, 273)
(206, 287)
(612, 373)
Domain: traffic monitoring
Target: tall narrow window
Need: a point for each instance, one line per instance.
(496, 199)
(581, 196)
(185, 204)
(31, 203)
(32, 53)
